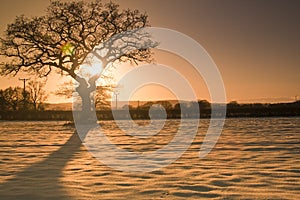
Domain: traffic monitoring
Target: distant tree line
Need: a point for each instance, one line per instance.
(234, 109)
(167, 105)
(20, 99)
(153, 110)
(204, 104)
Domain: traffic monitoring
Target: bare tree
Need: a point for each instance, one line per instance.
(69, 35)
(37, 94)
(102, 96)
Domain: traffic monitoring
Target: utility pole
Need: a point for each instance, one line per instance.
(116, 93)
(24, 90)
(296, 98)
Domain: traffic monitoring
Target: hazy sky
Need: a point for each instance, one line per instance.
(255, 43)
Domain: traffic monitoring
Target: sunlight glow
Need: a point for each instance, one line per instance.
(92, 67)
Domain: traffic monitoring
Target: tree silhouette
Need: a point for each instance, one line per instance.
(3, 105)
(36, 94)
(72, 34)
(166, 104)
(12, 98)
(101, 97)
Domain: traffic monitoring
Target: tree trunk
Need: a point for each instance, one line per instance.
(86, 102)
(84, 90)
(34, 106)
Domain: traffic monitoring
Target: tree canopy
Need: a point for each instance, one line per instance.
(64, 37)
(69, 35)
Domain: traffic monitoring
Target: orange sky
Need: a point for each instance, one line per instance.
(255, 44)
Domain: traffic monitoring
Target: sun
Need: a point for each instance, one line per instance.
(92, 67)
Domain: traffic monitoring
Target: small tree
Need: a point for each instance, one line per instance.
(147, 105)
(204, 104)
(69, 35)
(13, 98)
(36, 94)
(3, 103)
(166, 104)
(101, 97)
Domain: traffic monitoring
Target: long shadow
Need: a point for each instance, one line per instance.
(42, 180)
